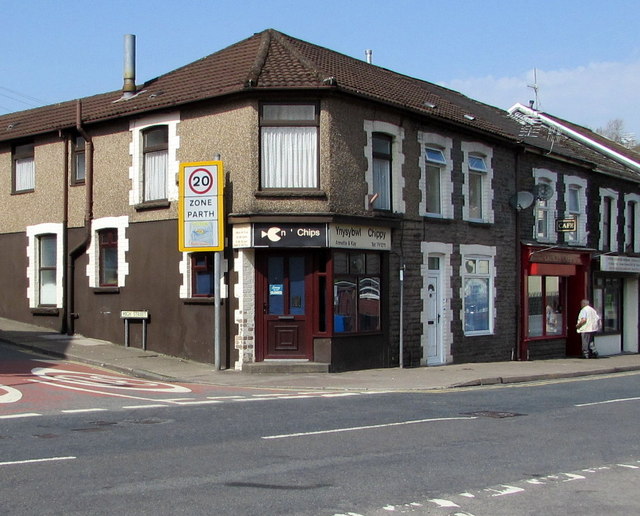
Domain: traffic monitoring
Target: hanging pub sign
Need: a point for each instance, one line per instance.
(290, 235)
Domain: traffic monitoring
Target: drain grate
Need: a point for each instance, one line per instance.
(496, 414)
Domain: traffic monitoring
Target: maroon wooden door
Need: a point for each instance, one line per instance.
(284, 307)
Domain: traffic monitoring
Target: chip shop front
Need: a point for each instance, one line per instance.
(319, 293)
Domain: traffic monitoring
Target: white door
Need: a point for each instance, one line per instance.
(433, 330)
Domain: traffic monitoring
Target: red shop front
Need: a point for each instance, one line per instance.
(554, 281)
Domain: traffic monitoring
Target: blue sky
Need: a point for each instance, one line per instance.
(586, 52)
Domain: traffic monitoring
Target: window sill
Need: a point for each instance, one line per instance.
(45, 311)
(20, 192)
(480, 223)
(437, 218)
(106, 290)
(291, 192)
(199, 301)
(152, 205)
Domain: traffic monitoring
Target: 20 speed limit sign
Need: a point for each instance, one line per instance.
(200, 216)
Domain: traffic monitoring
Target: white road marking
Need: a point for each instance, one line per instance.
(506, 490)
(32, 461)
(80, 411)
(367, 427)
(619, 400)
(443, 503)
(106, 381)
(104, 393)
(11, 395)
(24, 414)
(151, 405)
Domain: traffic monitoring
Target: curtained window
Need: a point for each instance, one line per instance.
(155, 149)
(289, 146)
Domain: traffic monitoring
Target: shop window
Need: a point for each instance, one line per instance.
(356, 290)
(545, 301)
(289, 145)
(607, 295)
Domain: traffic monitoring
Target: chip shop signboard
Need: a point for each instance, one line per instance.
(200, 210)
(290, 235)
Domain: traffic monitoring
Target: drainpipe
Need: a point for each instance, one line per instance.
(65, 229)
(77, 251)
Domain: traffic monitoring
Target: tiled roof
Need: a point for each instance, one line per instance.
(268, 60)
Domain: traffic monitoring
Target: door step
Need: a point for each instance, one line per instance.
(285, 367)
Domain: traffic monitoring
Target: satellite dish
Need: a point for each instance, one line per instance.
(521, 200)
(543, 191)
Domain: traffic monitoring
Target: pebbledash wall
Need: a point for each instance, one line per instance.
(152, 274)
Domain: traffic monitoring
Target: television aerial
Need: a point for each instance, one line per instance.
(543, 191)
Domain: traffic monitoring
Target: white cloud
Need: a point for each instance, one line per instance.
(588, 95)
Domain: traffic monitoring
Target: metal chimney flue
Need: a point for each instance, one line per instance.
(369, 55)
(129, 86)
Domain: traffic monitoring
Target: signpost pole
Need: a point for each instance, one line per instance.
(216, 311)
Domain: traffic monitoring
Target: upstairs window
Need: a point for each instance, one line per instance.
(477, 174)
(631, 222)
(155, 151)
(24, 170)
(477, 182)
(382, 170)
(78, 163)
(108, 257)
(435, 163)
(289, 146)
(573, 209)
(608, 220)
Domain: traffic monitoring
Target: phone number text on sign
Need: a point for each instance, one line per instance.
(200, 212)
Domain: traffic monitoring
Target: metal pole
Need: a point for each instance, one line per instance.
(402, 315)
(217, 314)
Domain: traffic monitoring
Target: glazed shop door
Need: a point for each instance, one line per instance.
(284, 325)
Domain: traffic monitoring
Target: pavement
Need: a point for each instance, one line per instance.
(158, 367)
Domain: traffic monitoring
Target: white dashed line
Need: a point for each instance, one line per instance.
(16, 416)
(33, 461)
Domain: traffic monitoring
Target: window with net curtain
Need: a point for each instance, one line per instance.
(289, 146)
(24, 168)
(155, 149)
(382, 170)
(47, 270)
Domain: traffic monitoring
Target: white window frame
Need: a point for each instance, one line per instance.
(579, 184)
(479, 252)
(93, 251)
(24, 168)
(136, 150)
(486, 196)
(397, 162)
(541, 175)
(281, 167)
(33, 267)
(628, 199)
(613, 195)
(184, 269)
(443, 144)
